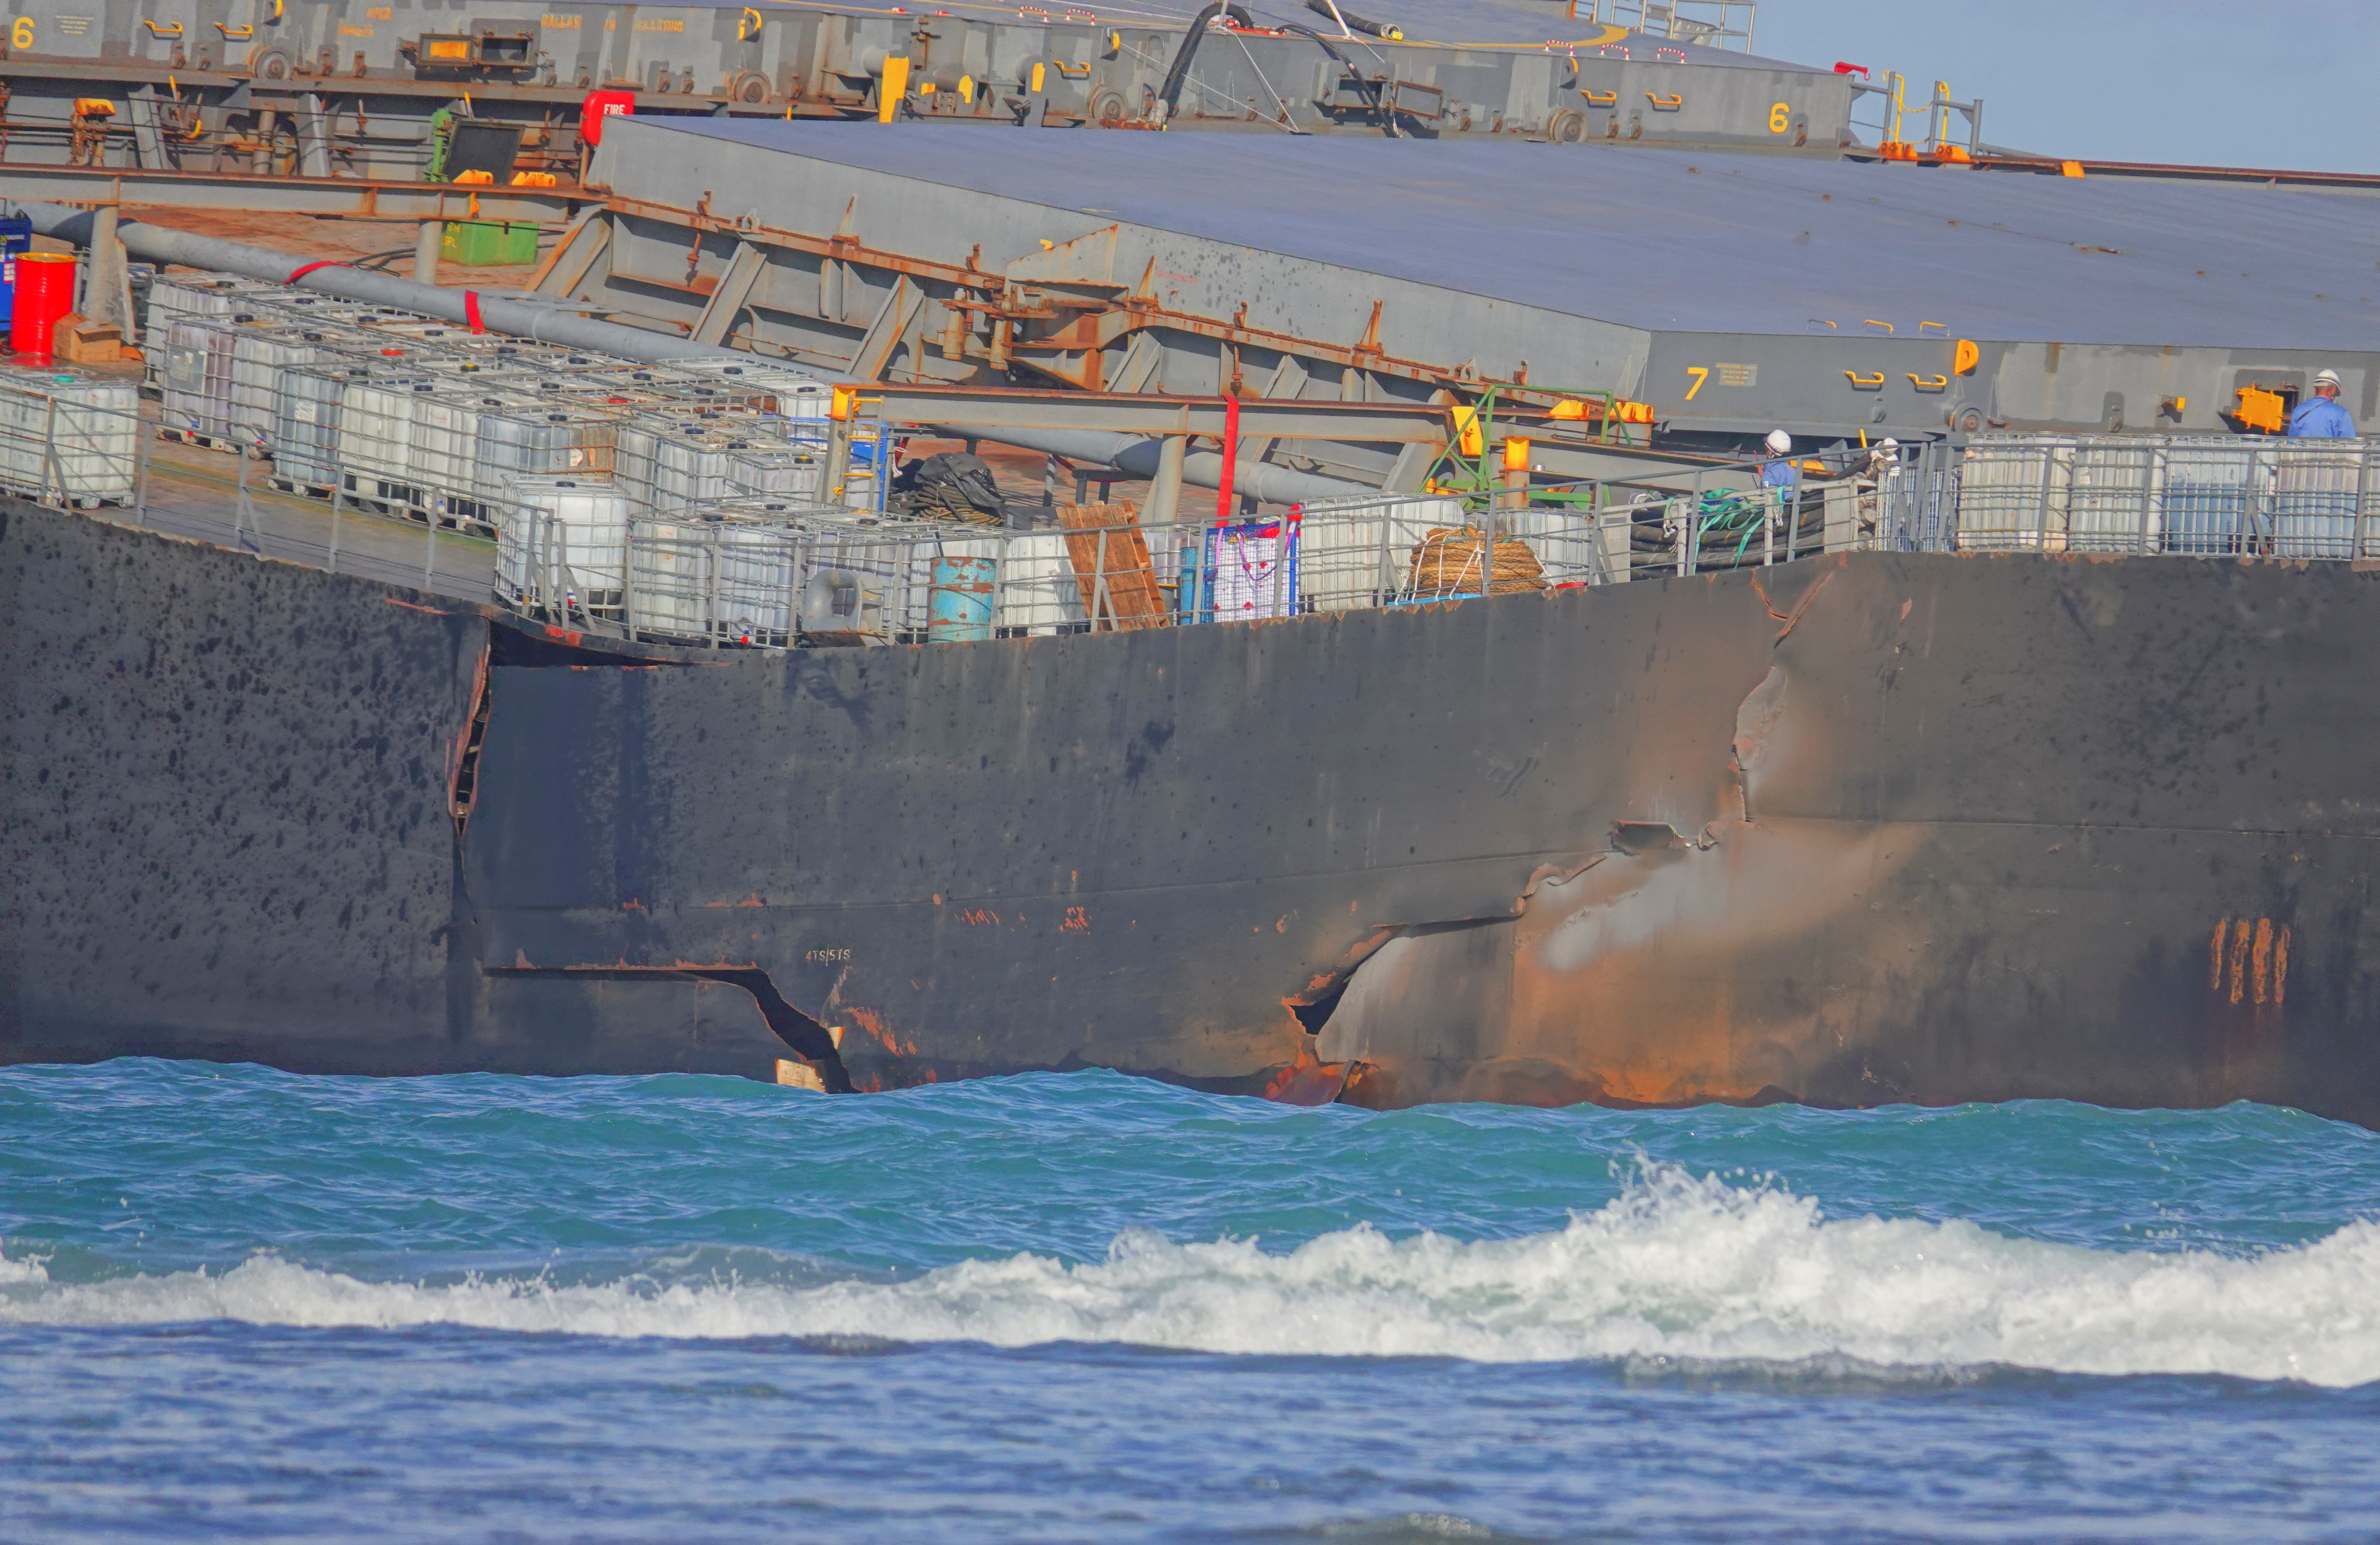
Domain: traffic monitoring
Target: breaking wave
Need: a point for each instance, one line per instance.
(1675, 1268)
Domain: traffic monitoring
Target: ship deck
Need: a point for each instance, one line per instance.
(1654, 240)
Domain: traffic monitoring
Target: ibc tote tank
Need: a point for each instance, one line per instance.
(712, 579)
(562, 536)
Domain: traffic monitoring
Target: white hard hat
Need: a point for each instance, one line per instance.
(2325, 378)
(1779, 442)
(1888, 443)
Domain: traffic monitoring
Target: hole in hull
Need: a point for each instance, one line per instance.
(810, 1039)
(1314, 1015)
(1639, 837)
(807, 1039)
(467, 767)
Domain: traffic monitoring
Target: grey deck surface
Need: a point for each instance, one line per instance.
(1680, 239)
(193, 493)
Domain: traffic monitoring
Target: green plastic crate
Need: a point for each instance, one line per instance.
(487, 243)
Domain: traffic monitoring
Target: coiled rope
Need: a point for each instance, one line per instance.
(1446, 563)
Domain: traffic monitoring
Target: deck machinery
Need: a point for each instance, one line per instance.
(358, 90)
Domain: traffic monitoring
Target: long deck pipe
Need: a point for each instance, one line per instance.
(519, 319)
(1135, 454)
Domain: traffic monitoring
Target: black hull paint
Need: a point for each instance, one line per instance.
(1945, 828)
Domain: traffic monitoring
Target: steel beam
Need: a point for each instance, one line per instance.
(345, 197)
(984, 409)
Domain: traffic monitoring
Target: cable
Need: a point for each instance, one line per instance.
(1369, 88)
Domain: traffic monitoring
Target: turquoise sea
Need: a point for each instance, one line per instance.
(241, 1304)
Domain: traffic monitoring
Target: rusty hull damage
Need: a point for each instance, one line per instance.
(1862, 829)
(1875, 828)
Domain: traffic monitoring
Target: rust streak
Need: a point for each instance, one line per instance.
(1791, 618)
(2281, 967)
(2214, 956)
(2240, 939)
(2264, 959)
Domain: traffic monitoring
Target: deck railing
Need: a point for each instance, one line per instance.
(763, 571)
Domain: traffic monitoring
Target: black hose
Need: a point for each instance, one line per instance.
(1171, 91)
(1354, 23)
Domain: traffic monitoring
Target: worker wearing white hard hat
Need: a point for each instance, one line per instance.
(1781, 472)
(2320, 417)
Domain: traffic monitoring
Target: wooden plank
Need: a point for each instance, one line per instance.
(1133, 599)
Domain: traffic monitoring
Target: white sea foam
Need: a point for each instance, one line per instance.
(1676, 1268)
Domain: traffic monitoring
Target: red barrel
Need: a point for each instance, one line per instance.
(45, 287)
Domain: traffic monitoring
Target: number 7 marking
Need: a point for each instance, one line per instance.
(1701, 374)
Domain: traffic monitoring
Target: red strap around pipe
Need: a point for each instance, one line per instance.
(327, 262)
(1223, 506)
(471, 310)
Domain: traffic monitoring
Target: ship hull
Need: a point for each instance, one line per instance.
(1870, 828)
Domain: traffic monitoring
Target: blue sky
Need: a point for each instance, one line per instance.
(2283, 83)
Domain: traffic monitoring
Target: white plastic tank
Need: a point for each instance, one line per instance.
(774, 468)
(1037, 592)
(542, 434)
(68, 435)
(196, 378)
(665, 463)
(2014, 493)
(2207, 493)
(449, 443)
(259, 357)
(1354, 552)
(376, 417)
(782, 390)
(2317, 489)
(716, 580)
(306, 419)
(560, 541)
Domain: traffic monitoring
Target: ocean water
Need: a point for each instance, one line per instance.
(236, 1303)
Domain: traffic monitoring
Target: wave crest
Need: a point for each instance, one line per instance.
(1674, 1268)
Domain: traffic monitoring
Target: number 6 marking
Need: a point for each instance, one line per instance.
(1779, 118)
(1701, 374)
(21, 35)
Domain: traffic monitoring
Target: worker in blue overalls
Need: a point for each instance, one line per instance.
(1782, 473)
(1784, 476)
(2320, 417)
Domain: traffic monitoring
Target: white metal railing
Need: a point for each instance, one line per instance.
(772, 565)
(1713, 23)
(2185, 495)
(766, 572)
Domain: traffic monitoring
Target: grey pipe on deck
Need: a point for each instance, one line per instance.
(1139, 455)
(546, 323)
(549, 323)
